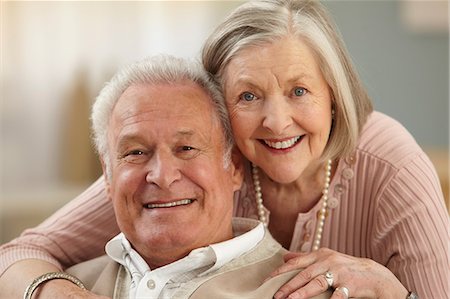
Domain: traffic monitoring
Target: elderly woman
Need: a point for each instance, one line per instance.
(346, 189)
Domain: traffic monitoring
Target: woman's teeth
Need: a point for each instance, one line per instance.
(169, 204)
(282, 144)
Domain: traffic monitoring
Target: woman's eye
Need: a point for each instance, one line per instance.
(247, 96)
(299, 91)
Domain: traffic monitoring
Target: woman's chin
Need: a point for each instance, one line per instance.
(283, 176)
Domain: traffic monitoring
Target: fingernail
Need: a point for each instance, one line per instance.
(278, 295)
(294, 296)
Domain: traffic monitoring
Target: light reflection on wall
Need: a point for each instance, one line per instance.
(49, 48)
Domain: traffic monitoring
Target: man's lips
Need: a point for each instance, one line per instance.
(171, 204)
(282, 144)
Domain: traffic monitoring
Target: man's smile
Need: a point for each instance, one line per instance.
(169, 204)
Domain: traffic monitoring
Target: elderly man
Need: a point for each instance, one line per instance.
(163, 136)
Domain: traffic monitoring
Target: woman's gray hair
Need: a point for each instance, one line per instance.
(155, 70)
(258, 23)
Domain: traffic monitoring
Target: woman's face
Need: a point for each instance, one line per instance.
(280, 107)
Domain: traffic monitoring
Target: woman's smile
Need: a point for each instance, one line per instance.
(282, 144)
(280, 107)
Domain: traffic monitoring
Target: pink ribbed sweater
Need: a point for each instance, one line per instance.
(385, 203)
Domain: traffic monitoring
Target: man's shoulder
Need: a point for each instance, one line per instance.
(95, 265)
(248, 280)
(245, 277)
(101, 271)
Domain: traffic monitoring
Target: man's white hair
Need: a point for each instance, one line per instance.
(155, 70)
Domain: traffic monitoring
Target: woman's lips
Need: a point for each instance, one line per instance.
(282, 145)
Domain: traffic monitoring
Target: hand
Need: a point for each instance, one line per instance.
(63, 289)
(361, 276)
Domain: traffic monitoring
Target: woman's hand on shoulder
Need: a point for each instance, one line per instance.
(361, 277)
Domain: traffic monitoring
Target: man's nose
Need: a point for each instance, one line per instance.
(277, 115)
(163, 170)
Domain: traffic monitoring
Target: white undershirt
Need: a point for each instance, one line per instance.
(164, 281)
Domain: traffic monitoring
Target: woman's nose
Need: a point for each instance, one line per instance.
(277, 116)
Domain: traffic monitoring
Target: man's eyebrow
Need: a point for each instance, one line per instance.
(183, 133)
(127, 139)
(131, 138)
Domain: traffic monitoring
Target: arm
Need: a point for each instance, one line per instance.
(409, 242)
(416, 225)
(75, 233)
(28, 270)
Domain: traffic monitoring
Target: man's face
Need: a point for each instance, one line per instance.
(170, 190)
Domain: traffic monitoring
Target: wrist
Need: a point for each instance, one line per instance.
(41, 281)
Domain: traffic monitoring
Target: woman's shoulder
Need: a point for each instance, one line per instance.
(386, 139)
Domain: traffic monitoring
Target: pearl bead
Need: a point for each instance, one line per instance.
(323, 210)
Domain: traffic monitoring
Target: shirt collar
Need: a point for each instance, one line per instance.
(248, 233)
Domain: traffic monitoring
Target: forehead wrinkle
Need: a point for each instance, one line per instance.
(245, 76)
(185, 133)
(299, 78)
(277, 79)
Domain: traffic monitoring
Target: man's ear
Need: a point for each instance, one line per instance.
(107, 179)
(237, 168)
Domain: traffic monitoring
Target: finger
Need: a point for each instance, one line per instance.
(291, 255)
(339, 293)
(289, 287)
(295, 263)
(312, 275)
(316, 286)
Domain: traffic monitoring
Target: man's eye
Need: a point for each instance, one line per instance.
(299, 91)
(135, 156)
(247, 96)
(187, 152)
(135, 153)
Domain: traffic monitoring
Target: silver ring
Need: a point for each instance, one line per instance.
(329, 278)
(344, 290)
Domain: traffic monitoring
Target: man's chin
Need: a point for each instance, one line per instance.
(165, 245)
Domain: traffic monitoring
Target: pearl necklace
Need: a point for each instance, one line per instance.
(322, 213)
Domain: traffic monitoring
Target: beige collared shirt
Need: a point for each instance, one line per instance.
(164, 281)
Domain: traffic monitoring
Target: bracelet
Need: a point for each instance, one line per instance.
(49, 276)
(412, 295)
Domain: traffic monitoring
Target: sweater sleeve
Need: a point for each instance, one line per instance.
(75, 233)
(412, 229)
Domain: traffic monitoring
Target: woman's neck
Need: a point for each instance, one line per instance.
(286, 201)
(297, 197)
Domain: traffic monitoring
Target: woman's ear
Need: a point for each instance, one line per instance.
(237, 168)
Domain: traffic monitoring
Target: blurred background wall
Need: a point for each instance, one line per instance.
(56, 56)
